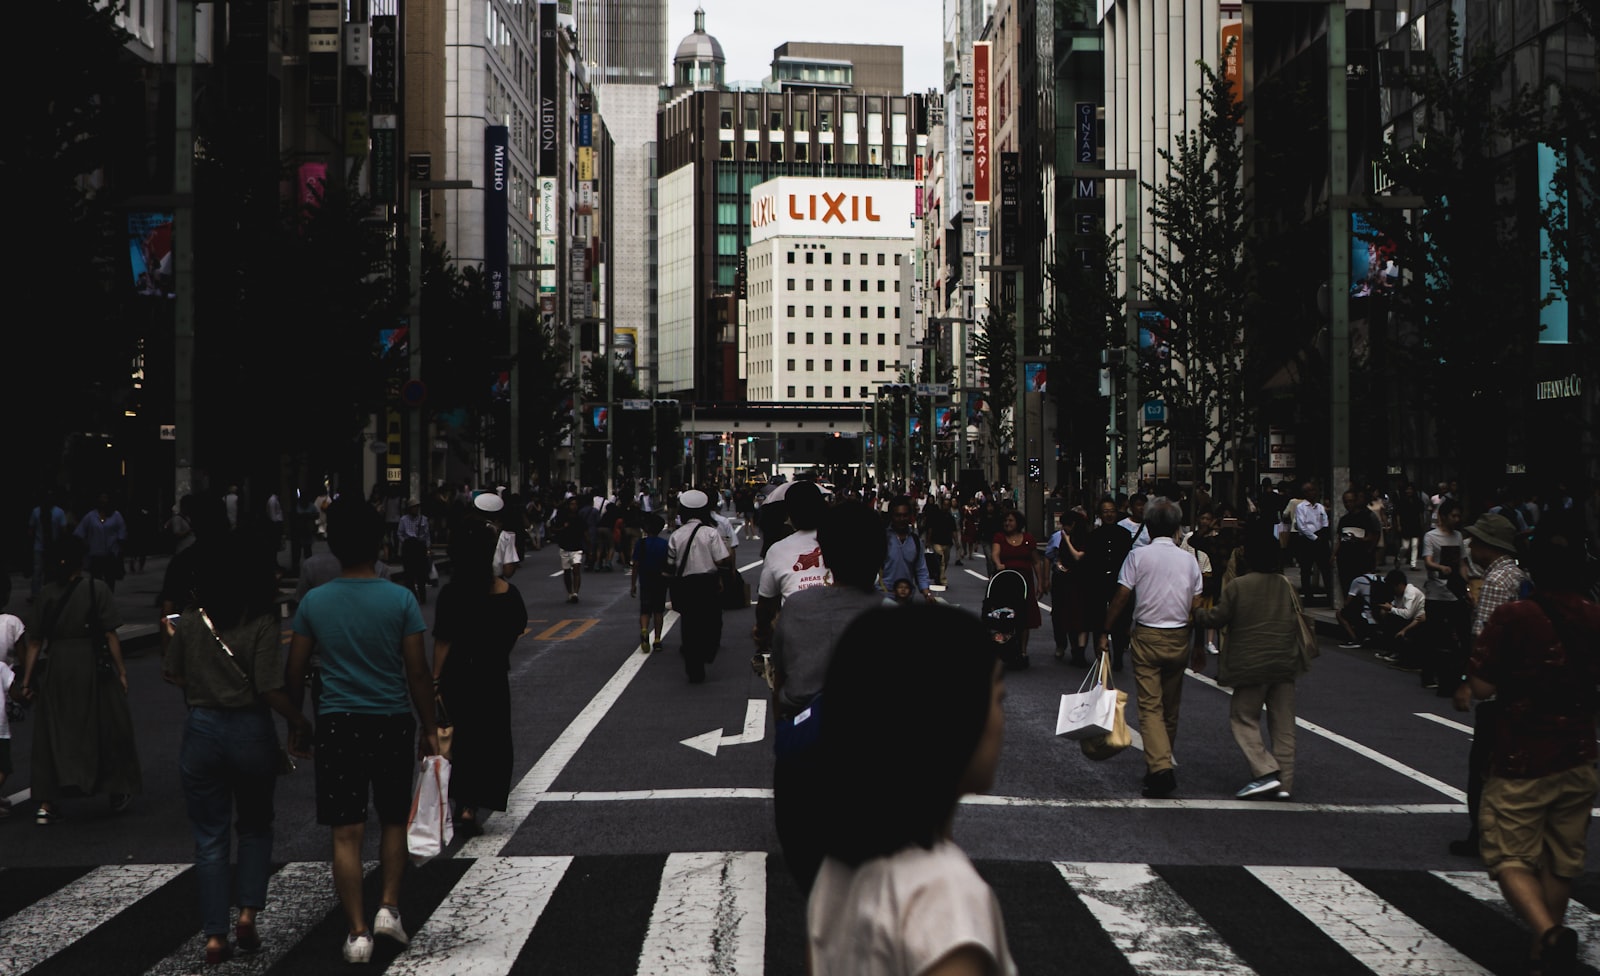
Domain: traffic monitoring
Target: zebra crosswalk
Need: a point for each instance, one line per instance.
(738, 913)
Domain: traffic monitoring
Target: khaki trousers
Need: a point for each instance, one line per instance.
(1159, 657)
(1244, 717)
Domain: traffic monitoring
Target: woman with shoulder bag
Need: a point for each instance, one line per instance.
(1260, 659)
(694, 553)
(83, 737)
(226, 654)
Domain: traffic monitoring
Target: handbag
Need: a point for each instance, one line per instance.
(1102, 747)
(735, 591)
(683, 560)
(283, 763)
(1092, 711)
(429, 828)
(1308, 627)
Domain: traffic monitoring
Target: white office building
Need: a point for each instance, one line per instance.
(826, 307)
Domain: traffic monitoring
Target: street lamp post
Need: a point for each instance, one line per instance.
(419, 457)
(959, 364)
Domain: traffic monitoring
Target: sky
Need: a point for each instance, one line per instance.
(750, 29)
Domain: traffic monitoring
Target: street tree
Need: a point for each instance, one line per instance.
(1199, 284)
(547, 385)
(1574, 236)
(1087, 321)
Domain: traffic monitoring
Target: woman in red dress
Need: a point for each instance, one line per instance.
(969, 527)
(1012, 548)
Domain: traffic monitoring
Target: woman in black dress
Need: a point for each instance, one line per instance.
(479, 619)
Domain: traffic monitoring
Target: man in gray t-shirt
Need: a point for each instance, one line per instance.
(1446, 610)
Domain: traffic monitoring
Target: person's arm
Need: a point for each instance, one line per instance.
(968, 960)
(421, 684)
(766, 614)
(1430, 549)
(441, 652)
(1119, 601)
(1220, 615)
(29, 658)
(294, 675)
(920, 573)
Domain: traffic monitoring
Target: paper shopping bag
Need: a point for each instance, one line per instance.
(1092, 711)
(1113, 742)
(429, 829)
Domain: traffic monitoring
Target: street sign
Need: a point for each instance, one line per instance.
(709, 437)
(636, 404)
(1155, 412)
(413, 392)
(169, 432)
(933, 389)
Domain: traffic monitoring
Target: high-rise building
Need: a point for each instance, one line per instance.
(624, 42)
(862, 68)
(715, 146)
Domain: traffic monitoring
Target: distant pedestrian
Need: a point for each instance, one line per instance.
(375, 672)
(1016, 549)
(1108, 548)
(230, 502)
(648, 582)
(103, 532)
(226, 655)
(570, 534)
(83, 738)
(178, 529)
(275, 519)
(479, 620)
(894, 893)
(47, 523)
(1066, 559)
(694, 553)
(793, 559)
(416, 548)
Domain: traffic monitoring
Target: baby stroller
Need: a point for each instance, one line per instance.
(1005, 606)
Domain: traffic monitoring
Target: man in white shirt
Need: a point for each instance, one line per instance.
(1134, 521)
(1400, 618)
(791, 564)
(1164, 584)
(1311, 544)
(694, 553)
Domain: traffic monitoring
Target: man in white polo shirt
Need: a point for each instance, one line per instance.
(1164, 582)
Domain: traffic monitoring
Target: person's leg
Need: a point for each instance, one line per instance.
(577, 578)
(566, 580)
(347, 840)
(1152, 720)
(392, 859)
(1175, 661)
(1280, 726)
(202, 770)
(1483, 735)
(1244, 720)
(254, 755)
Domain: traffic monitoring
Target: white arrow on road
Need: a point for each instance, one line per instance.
(755, 729)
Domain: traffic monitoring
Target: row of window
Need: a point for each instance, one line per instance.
(827, 339)
(827, 392)
(827, 283)
(827, 311)
(827, 258)
(827, 365)
(849, 155)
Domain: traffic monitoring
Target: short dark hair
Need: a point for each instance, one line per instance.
(853, 544)
(63, 557)
(899, 500)
(1396, 577)
(355, 531)
(805, 505)
(895, 777)
(1262, 554)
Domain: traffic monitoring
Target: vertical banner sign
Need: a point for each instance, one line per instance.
(385, 158)
(1233, 59)
(549, 165)
(980, 122)
(385, 59)
(1084, 132)
(496, 203)
(585, 129)
(1010, 206)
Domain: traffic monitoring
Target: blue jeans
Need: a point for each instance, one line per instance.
(228, 764)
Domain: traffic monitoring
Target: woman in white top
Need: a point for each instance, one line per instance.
(895, 895)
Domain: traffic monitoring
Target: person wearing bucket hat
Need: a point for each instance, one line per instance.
(694, 553)
(1492, 542)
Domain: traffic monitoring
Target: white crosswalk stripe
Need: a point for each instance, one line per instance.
(707, 913)
(1369, 928)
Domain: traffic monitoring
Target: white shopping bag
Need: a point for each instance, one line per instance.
(1092, 712)
(429, 829)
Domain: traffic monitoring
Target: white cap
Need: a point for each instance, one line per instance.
(692, 499)
(488, 501)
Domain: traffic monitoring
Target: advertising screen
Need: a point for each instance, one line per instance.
(150, 253)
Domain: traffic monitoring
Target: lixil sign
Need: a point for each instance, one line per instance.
(812, 207)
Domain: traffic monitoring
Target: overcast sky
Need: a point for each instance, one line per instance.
(750, 29)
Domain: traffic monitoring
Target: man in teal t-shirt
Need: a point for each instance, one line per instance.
(374, 671)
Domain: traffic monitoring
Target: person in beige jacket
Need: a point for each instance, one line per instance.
(1260, 660)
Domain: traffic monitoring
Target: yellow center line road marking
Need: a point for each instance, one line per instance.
(555, 631)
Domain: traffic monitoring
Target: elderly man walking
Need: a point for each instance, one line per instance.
(1164, 584)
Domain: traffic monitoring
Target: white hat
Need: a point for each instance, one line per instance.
(693, 499)
(488, 501)
(776, 494)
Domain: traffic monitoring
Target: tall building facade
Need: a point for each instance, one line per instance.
(863, 68)
(714, 147)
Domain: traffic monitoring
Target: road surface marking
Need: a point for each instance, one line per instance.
(1118, 803)
(1044, 606)
(299, 897)
(710, 916)
(557, 573)
(1395, 765)
(485, 920)
(55, 922)
(755, 730)
(499, 829)
(1447, 723)
(973, 572)
(1376, 933)
(746, 569)
(551, 632)
(1587, 923)
(21, 796)
(1149, 923)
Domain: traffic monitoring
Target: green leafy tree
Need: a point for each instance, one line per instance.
(1088, 319)
(547, 386)
(1568, 211)
(1199, 279)
(994, 351)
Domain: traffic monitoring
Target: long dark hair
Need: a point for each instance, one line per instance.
(472, 547)
(235, 577)
(894, 776)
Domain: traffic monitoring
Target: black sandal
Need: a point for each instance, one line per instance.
(1558, 952)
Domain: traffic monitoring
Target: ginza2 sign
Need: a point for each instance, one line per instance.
(810, 207)
(980, 122)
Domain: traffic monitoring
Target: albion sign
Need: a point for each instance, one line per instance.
(809, 207)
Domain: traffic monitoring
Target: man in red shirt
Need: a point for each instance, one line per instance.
(1540, 659)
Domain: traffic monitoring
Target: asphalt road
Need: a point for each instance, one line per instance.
(628, 851)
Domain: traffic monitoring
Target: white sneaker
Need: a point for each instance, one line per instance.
(387, 924)
(358, 948)
(1211, 648)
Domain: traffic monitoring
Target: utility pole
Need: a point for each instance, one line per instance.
(1339, 219)
(183, 256)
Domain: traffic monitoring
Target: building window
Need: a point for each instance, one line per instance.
(880, 261)
(864, 284)
(863, 393)
(752, 151)
(811, 365)
(827, 338)
(790, 256)
(897, 260)
(777, 152)
(809, 256)
(880, 280)
(811, 313)
(847, 338)
(791, 365)
(726, 151)
(881, 312)
(897, 286)
(727, 118)
(846, 364)
(789, 337)
(809, 340)
(880, 365)
(847, 281)
(847, 257)
(863, 264)
(897, 311)
(791, 284)
(863, 335)
(800, 152)
(776, 120)
(883, 340)
(864, 312)
(811, 283)
(811, 392)
(791, 315)
(827, 393)
(827, 311)
(863, 365)
(791, 393)
(827, 365)
(827, 284)
(827, 257)
(846, 311)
